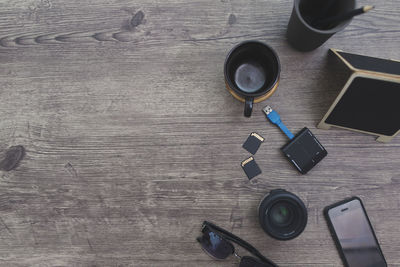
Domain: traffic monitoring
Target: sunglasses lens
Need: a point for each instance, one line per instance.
(247, 261)
(215, 245)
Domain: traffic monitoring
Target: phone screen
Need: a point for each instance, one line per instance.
(356, 237)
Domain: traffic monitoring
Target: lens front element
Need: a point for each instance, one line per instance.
(281, 214)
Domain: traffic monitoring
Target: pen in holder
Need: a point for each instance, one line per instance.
(303, 31)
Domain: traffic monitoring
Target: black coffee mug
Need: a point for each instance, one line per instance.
(252, 72)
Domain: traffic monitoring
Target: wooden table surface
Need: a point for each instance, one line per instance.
(132, 139)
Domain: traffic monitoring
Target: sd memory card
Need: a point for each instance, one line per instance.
(253, 143)
(251, 168)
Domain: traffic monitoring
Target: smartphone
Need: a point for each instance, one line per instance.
(353, 234)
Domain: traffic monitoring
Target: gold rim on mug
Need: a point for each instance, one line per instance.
(256, 100)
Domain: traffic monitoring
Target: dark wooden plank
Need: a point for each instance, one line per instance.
(132, 141)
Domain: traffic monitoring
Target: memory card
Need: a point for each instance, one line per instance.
(253, 143)
(251, 168)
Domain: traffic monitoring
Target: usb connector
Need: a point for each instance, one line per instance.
(274, 118)
(272, 115)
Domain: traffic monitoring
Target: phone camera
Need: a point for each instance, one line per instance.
(282, 215)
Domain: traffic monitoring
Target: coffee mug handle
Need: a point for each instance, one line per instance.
(248, 106)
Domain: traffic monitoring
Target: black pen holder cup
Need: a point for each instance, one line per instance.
(303, 33)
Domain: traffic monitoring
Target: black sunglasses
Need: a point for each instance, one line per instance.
(215, 241)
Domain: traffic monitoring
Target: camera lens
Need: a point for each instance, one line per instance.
(282, 215)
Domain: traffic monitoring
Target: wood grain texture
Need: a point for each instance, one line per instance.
(132, 140)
